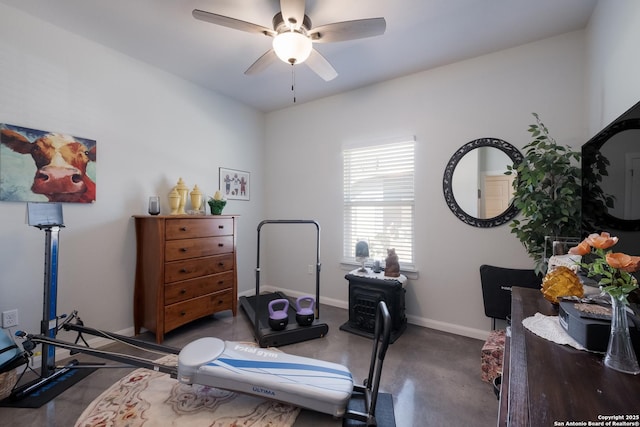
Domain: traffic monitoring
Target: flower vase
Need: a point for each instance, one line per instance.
(620, 354)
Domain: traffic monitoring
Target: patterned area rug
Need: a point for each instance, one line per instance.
(149, 398)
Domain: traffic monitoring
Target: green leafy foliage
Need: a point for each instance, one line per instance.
(547, 193)
(615, 282)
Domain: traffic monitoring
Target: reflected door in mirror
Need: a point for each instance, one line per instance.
(497, 193)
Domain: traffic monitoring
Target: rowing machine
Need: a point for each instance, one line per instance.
(309, 383)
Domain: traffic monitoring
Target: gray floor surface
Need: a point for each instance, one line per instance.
(434, 376)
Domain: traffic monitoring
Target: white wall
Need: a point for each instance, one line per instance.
(490, 96)
(51, 79)
(151, 128)
(613, 37)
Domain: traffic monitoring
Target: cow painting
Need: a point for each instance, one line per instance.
(44, 166)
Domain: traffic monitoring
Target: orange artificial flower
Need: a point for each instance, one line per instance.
(613, 269)
(624, 262)
(601, 241)
(582, 249)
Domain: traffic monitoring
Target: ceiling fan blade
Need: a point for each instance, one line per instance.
(262, 63)
(321, 66)
(236, 24)
(348, 30)
(292, 12)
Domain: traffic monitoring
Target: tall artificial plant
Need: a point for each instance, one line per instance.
(547, 192)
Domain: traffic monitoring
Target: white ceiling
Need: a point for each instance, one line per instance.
(421, 34)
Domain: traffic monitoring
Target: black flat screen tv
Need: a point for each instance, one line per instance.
(611, 182)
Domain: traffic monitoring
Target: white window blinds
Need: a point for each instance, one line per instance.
(379, 199)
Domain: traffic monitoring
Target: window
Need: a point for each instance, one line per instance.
(379, 199)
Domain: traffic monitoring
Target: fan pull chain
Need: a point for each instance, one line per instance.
(293, 82)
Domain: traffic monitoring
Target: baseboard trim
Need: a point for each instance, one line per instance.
(414, 320)
(448, 327)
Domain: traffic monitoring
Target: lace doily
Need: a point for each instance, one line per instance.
(549, 328)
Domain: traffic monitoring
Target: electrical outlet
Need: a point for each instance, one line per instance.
(9, 318)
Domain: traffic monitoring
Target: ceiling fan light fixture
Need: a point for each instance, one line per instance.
(292, 47)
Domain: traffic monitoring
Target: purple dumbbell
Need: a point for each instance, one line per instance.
(278, 319)
(305, 313)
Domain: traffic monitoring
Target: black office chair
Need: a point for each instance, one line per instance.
(496, 289)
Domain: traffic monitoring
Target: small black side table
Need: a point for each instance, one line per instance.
(365, 291)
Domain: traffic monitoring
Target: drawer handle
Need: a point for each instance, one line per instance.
(220, 245)
(220, 282)
(183, 249)
(183, 291)
(221, 264)
(184, 270)
(183, 228)
(220, 302)
(183, 313)
(221, 227)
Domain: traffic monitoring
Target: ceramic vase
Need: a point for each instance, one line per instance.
(174, 201)
(196, 199)
(183, 191)
(620, 354)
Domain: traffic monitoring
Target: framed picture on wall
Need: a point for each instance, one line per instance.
(234, 184)
(64, 169)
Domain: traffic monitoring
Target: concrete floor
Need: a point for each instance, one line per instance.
(434, 376)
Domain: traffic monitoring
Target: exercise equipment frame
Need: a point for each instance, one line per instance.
(368, 391)
(293, 333)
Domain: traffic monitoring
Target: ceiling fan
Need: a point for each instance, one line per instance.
(293, 36)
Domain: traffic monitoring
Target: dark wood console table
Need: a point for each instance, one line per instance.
(547, 384)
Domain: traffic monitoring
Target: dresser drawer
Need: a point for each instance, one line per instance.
(185, 270)
(194, 248)
(192, 268)
(184, 312)
(190, 228)
(180, 291)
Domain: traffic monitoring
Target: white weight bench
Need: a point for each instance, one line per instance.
(301, 381)
(322, 386)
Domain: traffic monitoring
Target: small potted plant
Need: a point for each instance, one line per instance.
(217, 203)
(547, 192)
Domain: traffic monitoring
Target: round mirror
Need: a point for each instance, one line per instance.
(613, 155)
(475, 186)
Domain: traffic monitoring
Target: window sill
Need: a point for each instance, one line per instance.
(408, 270)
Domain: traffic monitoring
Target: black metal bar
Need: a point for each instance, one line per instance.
(256, 318)
(372, 383)
(50, 297)
(125, 339)
(383, 327)
(22, 391)
(318, 265)
(117, 357)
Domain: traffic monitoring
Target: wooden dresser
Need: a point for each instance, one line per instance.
(185, 270)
